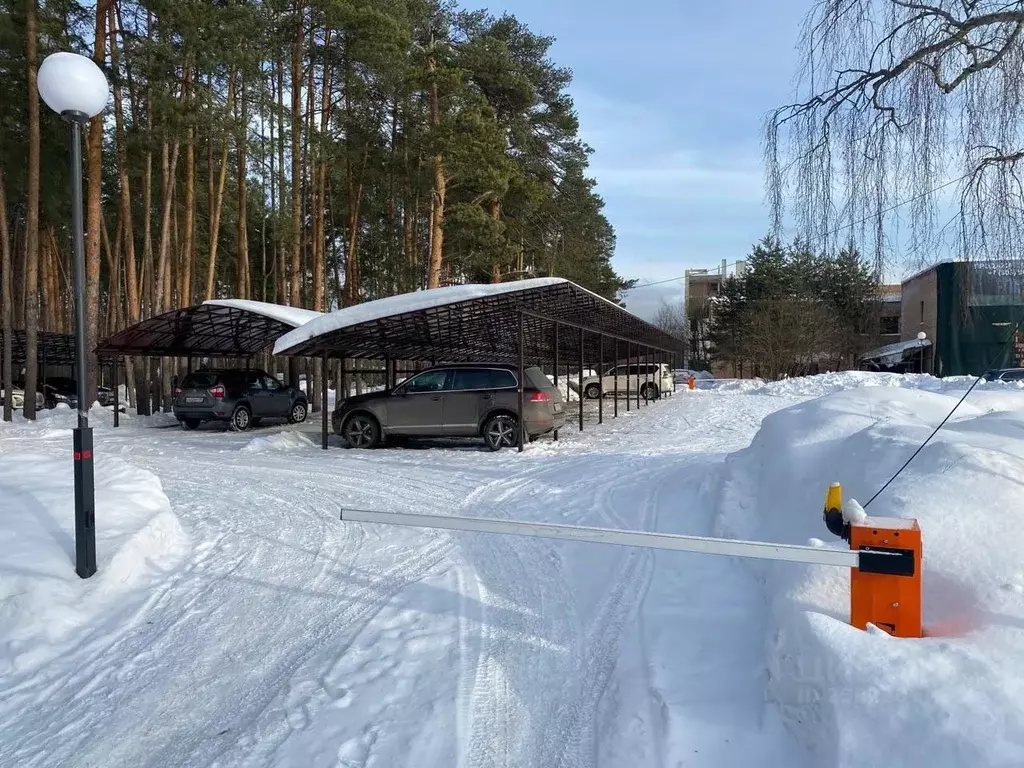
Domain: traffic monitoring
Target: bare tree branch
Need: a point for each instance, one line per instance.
(894, 99)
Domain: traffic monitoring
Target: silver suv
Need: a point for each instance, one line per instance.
(470, 400)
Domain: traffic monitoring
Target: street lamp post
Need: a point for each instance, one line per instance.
(76, 89)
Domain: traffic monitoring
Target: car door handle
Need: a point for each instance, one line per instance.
(435, 397)
(486, 397)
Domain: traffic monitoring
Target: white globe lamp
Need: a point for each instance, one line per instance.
(73, 86)
(76, 89)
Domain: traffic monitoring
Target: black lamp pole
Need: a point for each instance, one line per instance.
(85, 492)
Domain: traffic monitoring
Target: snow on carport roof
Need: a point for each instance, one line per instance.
(293, 316)
(477, 322)
(224, 327)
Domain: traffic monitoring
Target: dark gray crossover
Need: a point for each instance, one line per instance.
(241, 397)
(469, 400)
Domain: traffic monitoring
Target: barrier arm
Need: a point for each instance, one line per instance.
(885, 575)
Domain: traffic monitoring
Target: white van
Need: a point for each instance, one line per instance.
(651, 379)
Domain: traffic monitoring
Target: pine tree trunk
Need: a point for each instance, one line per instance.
(242, 267)
(32, 219)
(6, 304)
(282, 257)
(168, 166)
(296, 127)
(131, 274)
(217, 198)
(440, 184)
(93, 212)
(189, 229)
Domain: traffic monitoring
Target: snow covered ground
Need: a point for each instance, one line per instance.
(235, 621)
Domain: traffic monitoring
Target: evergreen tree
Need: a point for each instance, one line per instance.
(312, 152)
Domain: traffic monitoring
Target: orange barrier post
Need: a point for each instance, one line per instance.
(885, 588)
(691, 383)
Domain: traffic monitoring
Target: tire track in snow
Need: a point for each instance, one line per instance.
(493, 739)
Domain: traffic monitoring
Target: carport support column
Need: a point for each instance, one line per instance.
(556, 370)
(615, 373)
(117, 392)
(581, 379)
(628, 363)
(600, 379)
(638, 376)
(323, 405)
(521, 421)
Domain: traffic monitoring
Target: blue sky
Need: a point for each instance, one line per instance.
(671, 95)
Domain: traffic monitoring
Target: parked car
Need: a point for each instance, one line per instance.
(469, 400)
(18, 398)
(1005, 374)
(651, 379)
(241, 397)
(62, 389)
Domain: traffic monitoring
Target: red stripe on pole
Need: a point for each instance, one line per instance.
(86, 454)
(78, 456)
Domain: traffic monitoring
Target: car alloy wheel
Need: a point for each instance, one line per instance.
(500, 432)
(361, 432)
(592, 392)
(240, 419)
(650, 392)
(298, 414)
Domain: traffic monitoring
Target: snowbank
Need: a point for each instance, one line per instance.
(280, 441)
(828, 383)
(858, 698)
(44, 607)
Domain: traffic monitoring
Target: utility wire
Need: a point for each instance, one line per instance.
(838, 229)
(949, 415)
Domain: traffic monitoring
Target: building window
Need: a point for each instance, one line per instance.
(889, 326)
(922, 311)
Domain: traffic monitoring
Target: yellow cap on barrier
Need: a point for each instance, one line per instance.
(834, 497)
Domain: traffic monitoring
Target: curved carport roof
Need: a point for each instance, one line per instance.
(467, 323)
(218, 327)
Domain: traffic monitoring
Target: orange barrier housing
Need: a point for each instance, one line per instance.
(885, 589)
(891, 603)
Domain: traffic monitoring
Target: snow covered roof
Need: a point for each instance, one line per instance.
(894, 353)
(293, 316)
(474, 322)
(219, 327)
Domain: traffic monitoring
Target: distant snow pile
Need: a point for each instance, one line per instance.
(954, 698)
(45, 609)
(280, 441)
(829, 383)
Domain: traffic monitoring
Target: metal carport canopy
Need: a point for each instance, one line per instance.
(218, 327)
(51, 348)
(479, 323)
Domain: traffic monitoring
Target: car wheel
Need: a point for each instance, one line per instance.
(298, 413)
(500, 432)
(649, 392)
(592, 392)
(241, 419)
(189, 424)
(361, 431)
